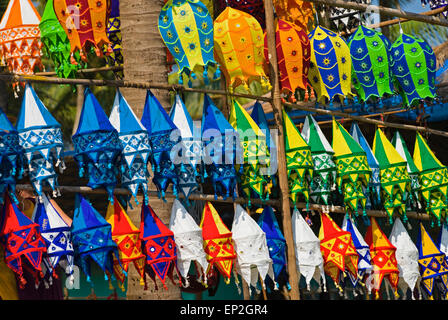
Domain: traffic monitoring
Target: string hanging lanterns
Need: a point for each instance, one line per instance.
(239, 49)
(186, 28)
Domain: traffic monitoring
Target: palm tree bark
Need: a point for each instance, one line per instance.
(145, 60)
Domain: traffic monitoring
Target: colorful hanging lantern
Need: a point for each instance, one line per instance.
(293, 55)
(189, 157)
(97, 146)
(189, 243)
(414, 66)
(435, 4)
(158, 246)
(127, 237)
(57, 45)
(384, 259)
(432, 262)
(346, 19)
(301, 13)
(218, 243)
(406, 254)
(20, 44)
(11, 157)
(135, 147)
(374, 197)
(186, 28)
(253, 7)
(400, 145)
(299, 161)
(115, 59)
(219, 150)
(395, 181)
(433, 177)
(23, 244)
(160, 129)
(362, 249)
(338, 251)
(331, 65)
(92, 239)
(239, 49)
(309, 260)
(370, 53)
(324, 174)
(276, 242)
(255, 154)
(58, 239)
(85, 25)
(41, 138)
(353, 171)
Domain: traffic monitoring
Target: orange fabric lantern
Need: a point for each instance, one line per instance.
(299, 12)
(20, 43)
(338, 250)
(384, 261)
(239, 44)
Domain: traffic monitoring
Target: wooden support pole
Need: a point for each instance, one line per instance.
(383, 10)
(281, 156)
(84, 71)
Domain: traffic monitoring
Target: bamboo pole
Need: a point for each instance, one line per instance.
(84, 71)
(281, 156)
(383, 10)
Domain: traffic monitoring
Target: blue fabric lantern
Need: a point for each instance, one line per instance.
(41, 138)
(92, 239)
(11, 157)
(97, 146)
(163, 136)
(135, 147)
(189, 157)
(220, 150)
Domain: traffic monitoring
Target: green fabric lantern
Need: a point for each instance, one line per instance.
(324, 174)
(57, 45)
(395, 181)
(371, 74)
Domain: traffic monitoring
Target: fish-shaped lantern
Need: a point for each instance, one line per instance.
(414, 67)
(20, 43)
(433, 178)
(324, 174)
(189, 243)
(255, 153)
(400, 145)
(395, 181)
(85, 23)
(57, 45)
(135, 147)
(432, 262)
(374, 196)
(384, 259)
(298, 12)
(41, 138)
(92, 239)
(218, 243)
(188, 158)
(162, 139)
(299, 160)
(353, 171)
(186, 28)
(23, 244)
(97, 146)
(239, 47)
(220, 157)
(339, 253)
(127, 237)
(293, 55)
(331, 66)
(253, 260)
(11, 157)
(407, 256)
(363, 250)
(309, 260)
(370, 53)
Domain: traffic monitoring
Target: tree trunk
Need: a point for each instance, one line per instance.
(144, 57)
